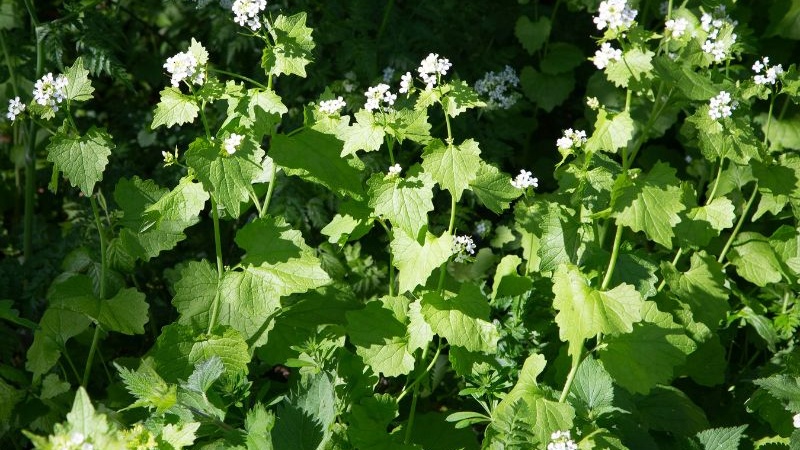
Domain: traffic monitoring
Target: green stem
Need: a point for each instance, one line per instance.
(412, 412)
(738, 225)
(102, 295)
(716, 181)
(241, 77)
(270, 189)
(202, 105)
(419, 377)
(769, 119)
(212, 321)
(614, 256)
(576, 360)
(71, 365)
(390, 145)
(90, 359)
(450, 227)
(678, 255)
(449, 130)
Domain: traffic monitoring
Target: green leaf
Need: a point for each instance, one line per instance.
(532, 35)
(702, 287)
(781, 178)
(83, 418)
(9, 397)
(651, 203)
(304, 419)
(369, 421)
(783, 20)
(635, 64)
(583, 312)
(755, 260)
(694, 85)
(179, 348)
(82, 159)
(721, 438)
(271, 240)
(559, 241)
(784, 134)
(703, 223)
(454, 167)
(364, 134)
(416, 261)
(545, 90)
(561, 58)
(56, 327)
(259, 423)
(199, 52)
(149, 389)
(593, 389)
(291, 52)
(463, 320)
(659, 344)
(227, 177)
(179, 436)
(353, 220)
(79, 88)
(383, 338)
(612, 134)
(460, 98)
(314, 156)
(493, 188)
(125, 312)
(257, 110)
(408, 124)
(174, 108)
(405, 202)
(668, 409)
(507, 281)
(205, 374)
(7, 312)
(782, 387)
(154, 218)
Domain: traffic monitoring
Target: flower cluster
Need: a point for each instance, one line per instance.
(716, 44)
(571, 138)
(377, 94)
(431, 68)
(332, 106)
(246, 13)
(561, 440)
(524, 180)
(721, 106)
(406, 82)
(675, 28)
(614, 15)
(605, 55)
(15, 108)
(232, 143)
(395, 170)
(463, 248)
(497, 86)
(770, 75)
(72, 441)
(49, 91)
(183, 67)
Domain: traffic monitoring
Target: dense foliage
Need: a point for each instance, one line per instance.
(400, 224)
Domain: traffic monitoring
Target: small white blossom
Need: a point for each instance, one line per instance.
(431, 68)
(796, 420)
(593, 103)
(388, 74)
(605, 55)
(615, 15)
(571, 138)
(183, 67)
(721, 106)
(524, 180)
(406, 83)
(770, 75)
(463, 247)
(377, 95)
(332, 106)
(395, 170)
(246, 13)
(483, 228)
(232, 143)
(498, 87)
(49, 91)
(675, 28)
(15, 108)
(561, 440)
(716, 45)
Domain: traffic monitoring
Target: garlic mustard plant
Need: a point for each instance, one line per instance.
(232, 143)
(15, 108)
(183, 67)
(394, 170)
(571, 139)
(615, 15)
(463, 248)
(50, 91)
(676, 28)
(770, 73)
(561, 440)
(525, 180)
(378, 97)
(333, 106)
(498, 88)
(432, 68)
(605, 55)
(720, 37)
(247, 13)
(721, 106)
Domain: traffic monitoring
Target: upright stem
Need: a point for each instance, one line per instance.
(576, 360)
(769, 118)
(738, 224)
(102, 296)
(270, 189)
(612, 264)
(716, 181)
(450, 228)
(212, 321)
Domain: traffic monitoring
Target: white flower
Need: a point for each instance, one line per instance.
(232, 143)
(561, 440)
(49, 91)
(15, 108)
(463, 247)
(483, 228)
(183, 67)
(796, 420)
(497, 86)
(377, 94)
(571, 138)
(246, 13)
(406, 83)
(605, 55)
(718, 44)
(593, 103)
(675, 28)
(721, 106)
(615, 15)
(76, 438)
(431, 68)
(524, 180)
(332, 106)
(395, 170)
(770, 75)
